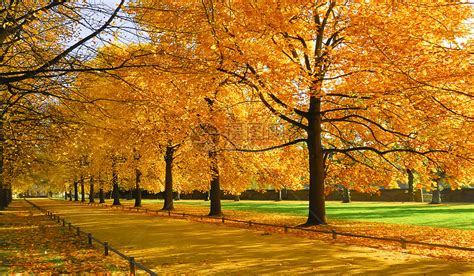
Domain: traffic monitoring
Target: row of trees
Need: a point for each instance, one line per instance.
(223, 94)
(41, 52)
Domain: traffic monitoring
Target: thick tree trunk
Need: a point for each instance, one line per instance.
(346, 195)
(83, 192)
(168, 194)
(138, 192)
(116, 194)
(5, 197)
(10, 195)
(411, 188)
(317, 208)
(76, 193)
(101, 196)
(3, 203)
(215, 192)
(91, 189)
(116, 189)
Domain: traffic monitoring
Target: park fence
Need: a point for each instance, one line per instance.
(286, 228)
(134, 265)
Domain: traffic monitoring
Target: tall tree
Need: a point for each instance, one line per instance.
(39, 49)
(359, 79)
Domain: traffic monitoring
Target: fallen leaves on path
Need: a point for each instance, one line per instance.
(445, 236)
(30, 242)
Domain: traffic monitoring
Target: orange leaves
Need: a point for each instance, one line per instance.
(33, 244)
(463, 238)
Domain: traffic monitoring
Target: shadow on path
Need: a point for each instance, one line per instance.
(179, 246)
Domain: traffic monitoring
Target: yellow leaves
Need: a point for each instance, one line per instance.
(34, 244)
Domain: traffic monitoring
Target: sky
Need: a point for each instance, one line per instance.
(97, 19)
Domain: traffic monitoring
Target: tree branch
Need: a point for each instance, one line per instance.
(270, 148)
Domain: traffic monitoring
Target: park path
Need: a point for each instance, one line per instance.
(175, 246)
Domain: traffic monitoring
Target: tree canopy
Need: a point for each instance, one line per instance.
(285, 93)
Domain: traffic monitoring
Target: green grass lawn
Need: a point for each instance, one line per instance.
(455, 216)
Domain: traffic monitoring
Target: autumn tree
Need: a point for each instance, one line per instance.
(41, 49)
(363, 81)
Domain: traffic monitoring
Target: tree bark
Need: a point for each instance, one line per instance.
(168, 194)
(346, 195)
(3, 204)
(436, 199)
(317, 208)
(138, 192)
(101, 196)
(9, 195)
(65, 195)
(116, 189)
(5, 196)
(215, 192)
(76, 195)
(70, 194)
(411, 188)
(91, 190)
(83, 192)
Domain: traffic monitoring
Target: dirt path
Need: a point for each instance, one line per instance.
(179, 246)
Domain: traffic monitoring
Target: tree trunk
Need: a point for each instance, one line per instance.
(279, 198)
(101, 196)
(168, 194)
(10, 195)
(436, 199)
(411, 189)
(206, 196)
(317, 208)
(70, 194)
(76, 195)
(4, 198)
(83, 193)
(237, 198)
(91, 190)
(116, 189)
(178, 195)
(215, 192)
(346, 195)
(3, 204)
(65, 195)
(138, 192)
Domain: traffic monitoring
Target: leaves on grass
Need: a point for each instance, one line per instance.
(453, 237)
(32, 243)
